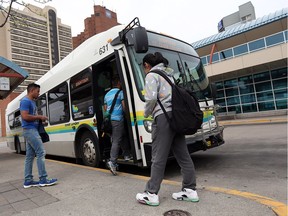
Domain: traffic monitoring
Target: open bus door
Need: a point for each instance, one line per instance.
(103, 74)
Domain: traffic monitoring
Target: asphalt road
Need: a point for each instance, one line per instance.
(253, 159)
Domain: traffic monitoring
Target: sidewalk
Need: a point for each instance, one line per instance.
(90, 191)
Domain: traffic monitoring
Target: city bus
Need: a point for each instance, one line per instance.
(72, 95)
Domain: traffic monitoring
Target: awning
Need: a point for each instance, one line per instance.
(11, 76)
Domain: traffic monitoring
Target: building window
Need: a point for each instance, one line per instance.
(236, 109)
(231, 83)
(261, 77)
(280, 73)
(246, 108)
(280, 83)
(226, 54)
(256, 45)
(281, 104)
(240, 50)
(108, 14)
(275, 39)
(215, 57)
(220, 94)
(219, 85)
(233, 100)
(253, 93)
(249, 98)
(265, 106)
(246, 18)
(231, 91)
(204, 60)
(264, 96)
(264, 86)
(245, 89)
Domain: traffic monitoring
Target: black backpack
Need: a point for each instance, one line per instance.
(187, 117)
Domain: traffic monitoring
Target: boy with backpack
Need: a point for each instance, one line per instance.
(164, 137)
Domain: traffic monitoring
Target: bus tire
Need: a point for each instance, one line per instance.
(17, 146)
(89, 150)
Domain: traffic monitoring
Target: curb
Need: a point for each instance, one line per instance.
(253, 121)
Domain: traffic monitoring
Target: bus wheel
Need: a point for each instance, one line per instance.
(17, 146)
(90, 150)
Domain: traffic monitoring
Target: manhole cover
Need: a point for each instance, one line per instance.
(176, 212)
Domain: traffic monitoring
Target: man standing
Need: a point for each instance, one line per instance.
(34, 144)
(118, 126)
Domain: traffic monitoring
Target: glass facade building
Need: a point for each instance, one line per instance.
(248, 64)
(253, 93)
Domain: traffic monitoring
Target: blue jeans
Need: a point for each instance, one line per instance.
(34, 147)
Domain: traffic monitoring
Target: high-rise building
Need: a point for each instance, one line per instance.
(102, 20)
(248, 64)
(35, 39)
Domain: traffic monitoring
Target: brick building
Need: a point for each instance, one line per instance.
(102, 20)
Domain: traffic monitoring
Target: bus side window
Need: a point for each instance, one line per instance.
(17, 120)
(57, 101)
(81, 95)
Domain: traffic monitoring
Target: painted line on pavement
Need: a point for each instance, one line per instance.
(278, 207)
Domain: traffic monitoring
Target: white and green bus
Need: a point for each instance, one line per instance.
(72, 94)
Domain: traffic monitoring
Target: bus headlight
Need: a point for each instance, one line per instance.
(148, 125)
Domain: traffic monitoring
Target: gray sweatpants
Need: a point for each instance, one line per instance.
(164, 139)
(119, 139)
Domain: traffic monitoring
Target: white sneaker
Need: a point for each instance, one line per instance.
(148, 198)
(187, 195)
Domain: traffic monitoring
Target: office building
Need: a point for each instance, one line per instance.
(35, 39)
(248, 63)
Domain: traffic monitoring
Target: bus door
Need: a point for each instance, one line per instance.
(103, 74)
(136, 107)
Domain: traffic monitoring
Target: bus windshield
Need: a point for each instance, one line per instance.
(188, 69)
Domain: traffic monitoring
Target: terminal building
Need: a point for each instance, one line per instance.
(247, 61)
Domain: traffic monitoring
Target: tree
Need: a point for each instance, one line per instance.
(6, 8)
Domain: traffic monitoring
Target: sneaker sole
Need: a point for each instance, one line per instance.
(30, 186)
(43, 185)
(147, 203)
(186, 199)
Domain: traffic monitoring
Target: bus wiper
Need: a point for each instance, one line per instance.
(182, 75)
(194, 81)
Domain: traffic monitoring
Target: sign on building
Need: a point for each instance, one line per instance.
(4, 83)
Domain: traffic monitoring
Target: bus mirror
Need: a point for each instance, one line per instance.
(140, 40)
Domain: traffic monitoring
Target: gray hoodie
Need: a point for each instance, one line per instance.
(157, 87)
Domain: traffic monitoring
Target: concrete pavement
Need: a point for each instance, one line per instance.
(84, 190)
(90, 191)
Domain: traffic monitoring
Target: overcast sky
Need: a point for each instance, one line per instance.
(188, 20)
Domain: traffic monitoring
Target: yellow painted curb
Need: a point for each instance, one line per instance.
(279, 208)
